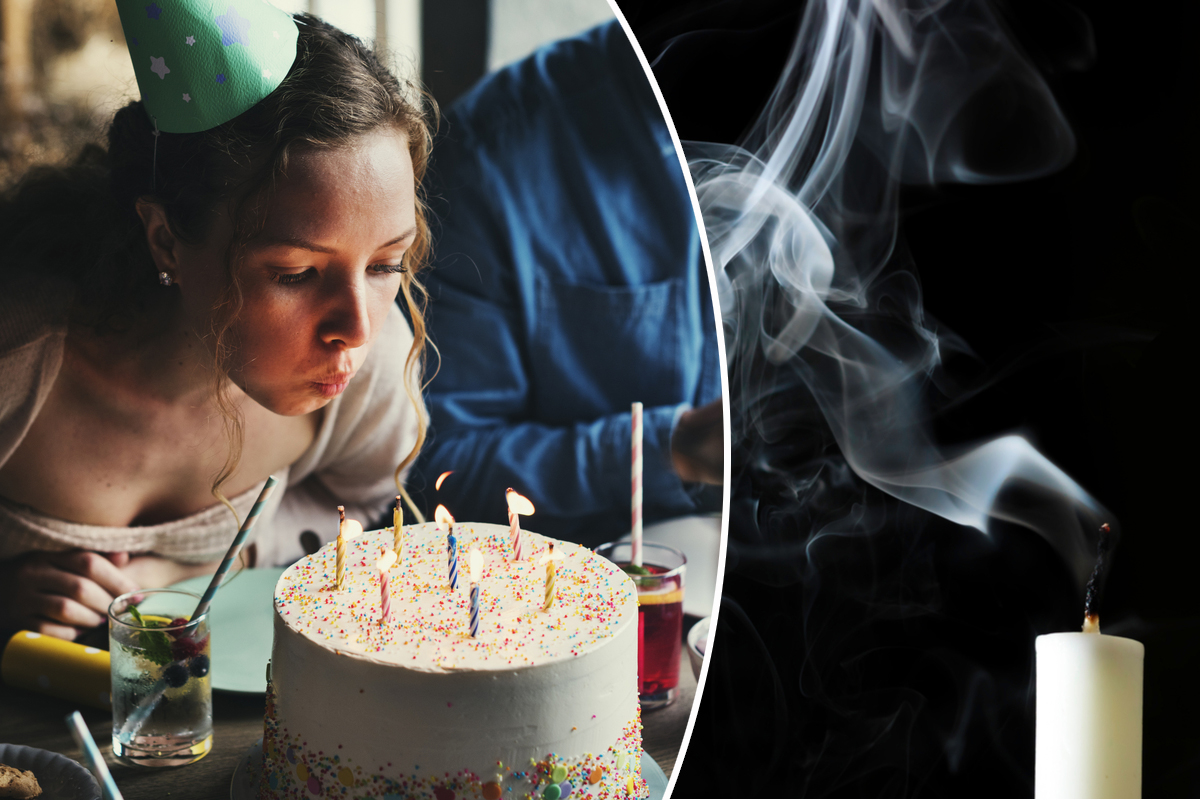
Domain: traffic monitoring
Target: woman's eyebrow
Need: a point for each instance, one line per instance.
(303, 244)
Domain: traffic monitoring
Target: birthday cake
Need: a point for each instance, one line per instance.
(540, 703)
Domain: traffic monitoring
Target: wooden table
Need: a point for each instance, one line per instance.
(37, 720)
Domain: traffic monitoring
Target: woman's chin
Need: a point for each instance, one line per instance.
(294, 404)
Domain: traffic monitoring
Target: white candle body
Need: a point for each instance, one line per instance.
(1089, 716)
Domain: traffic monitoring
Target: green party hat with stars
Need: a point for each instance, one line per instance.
(200, 63)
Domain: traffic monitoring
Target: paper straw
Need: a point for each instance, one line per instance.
(137, 718)
(235, 548)
(93, 756)
(635, 542)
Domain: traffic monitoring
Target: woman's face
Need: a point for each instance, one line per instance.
(320, 278)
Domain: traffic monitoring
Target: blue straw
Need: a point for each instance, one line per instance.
(235, 548)
(93, 756)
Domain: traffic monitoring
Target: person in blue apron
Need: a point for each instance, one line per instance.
(568, 283)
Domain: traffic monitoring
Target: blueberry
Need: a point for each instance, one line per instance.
(199, 666)
(175, 675)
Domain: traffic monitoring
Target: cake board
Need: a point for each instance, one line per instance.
(246, 774)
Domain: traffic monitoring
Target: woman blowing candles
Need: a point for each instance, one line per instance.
(189, 312)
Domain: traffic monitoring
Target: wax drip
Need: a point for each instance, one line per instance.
(1093, 594)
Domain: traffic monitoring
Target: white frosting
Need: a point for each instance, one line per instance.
(419, 693)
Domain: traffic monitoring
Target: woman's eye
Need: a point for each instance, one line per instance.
(388, 269)
(291, 277)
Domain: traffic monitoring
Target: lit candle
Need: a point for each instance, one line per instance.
(476, 564)
(385, 593)
(1089, 710)
(551, 575)
(347, 530)
(635, 542)
(442, 516)
(518, 504)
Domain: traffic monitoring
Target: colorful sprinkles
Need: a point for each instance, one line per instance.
(291, 772)
(429, 625)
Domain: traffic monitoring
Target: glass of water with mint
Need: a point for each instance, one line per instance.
(161, 688)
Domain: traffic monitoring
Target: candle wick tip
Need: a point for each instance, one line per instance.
(1091, 623)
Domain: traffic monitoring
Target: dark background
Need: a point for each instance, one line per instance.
(899, 662)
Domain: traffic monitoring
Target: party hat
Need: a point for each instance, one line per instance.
(199, 64)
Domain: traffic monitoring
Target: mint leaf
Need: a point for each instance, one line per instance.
(634, 569)
(155, 645)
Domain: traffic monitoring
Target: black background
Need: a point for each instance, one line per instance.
(900, 662)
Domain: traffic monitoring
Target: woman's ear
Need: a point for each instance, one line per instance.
(164, 245)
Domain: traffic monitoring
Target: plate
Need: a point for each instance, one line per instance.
(60, 777)
(699, 538)
(242, 622)
(245, 775)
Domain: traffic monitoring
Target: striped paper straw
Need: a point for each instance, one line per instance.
(635, 542)
(474, 610)
(93, 756)
(235, 548)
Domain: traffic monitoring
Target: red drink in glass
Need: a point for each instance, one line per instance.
(660, 617)
(660, 626)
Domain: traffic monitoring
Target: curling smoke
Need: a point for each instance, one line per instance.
(802, 224)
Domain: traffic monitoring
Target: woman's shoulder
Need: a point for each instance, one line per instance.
(33, 328)
(32, 309)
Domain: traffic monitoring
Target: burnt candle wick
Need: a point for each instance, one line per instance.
(1092, 596)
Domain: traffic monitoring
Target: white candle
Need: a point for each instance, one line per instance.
(1089, 716)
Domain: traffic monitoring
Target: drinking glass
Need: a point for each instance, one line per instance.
(660, 618)
(161, 689)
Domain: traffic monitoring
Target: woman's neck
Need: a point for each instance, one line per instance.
(159, 359)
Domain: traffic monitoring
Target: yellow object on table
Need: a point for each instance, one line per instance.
(58, 668)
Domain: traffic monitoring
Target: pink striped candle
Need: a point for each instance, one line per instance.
(385, 591)
(518, 504)
(635, 542)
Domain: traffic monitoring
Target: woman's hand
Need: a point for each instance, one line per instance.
(698, 444)
(61, 594)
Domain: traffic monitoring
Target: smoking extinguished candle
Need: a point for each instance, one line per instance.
(1089, 707)
(1089, 716)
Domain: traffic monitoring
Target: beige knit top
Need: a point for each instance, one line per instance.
(365, 433)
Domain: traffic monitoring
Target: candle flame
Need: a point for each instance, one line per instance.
(442, 515)
(353, 528)
(518, 503)
(476, 565)
(550, 556)
(441, 478)
(386, 561)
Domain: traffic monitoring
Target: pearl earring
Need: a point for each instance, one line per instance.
(165, 278)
